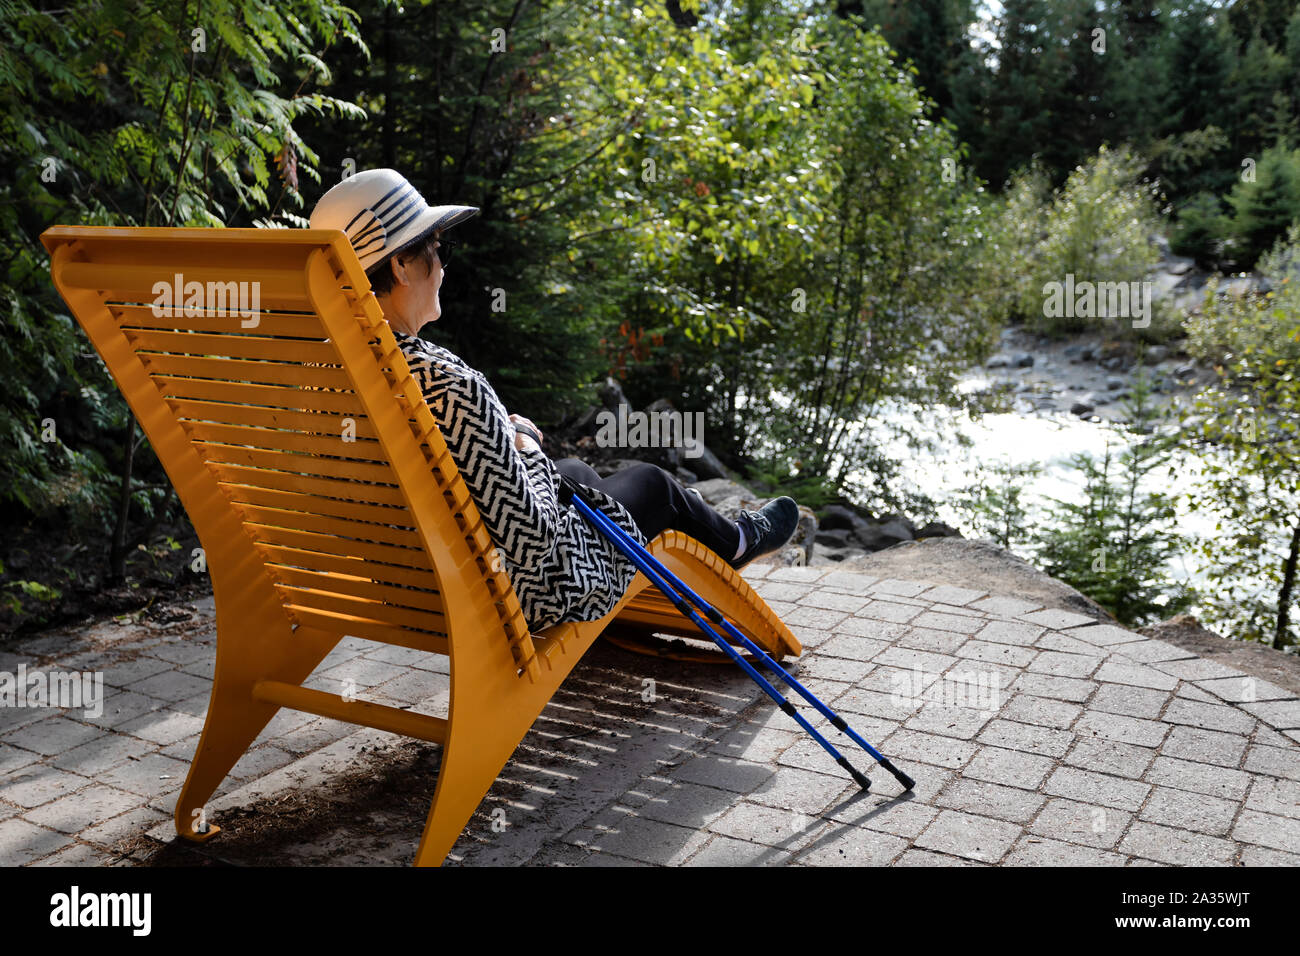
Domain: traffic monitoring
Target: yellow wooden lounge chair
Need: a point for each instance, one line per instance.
(327, 503)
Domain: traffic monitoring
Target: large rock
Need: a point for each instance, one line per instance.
(611, 395)
(903, 521)
(716, 490)
(838, 516)
(879, 537)
(937, 529)
(585, 422)
(982, 565)
(834, 537)
(1258, 660)
(707, 465)
(670, 455)
(1240, 285)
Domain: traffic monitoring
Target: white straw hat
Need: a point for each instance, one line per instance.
(380, 212)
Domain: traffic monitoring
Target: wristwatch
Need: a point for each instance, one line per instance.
(530, 432)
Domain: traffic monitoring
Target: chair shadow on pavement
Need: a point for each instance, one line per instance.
(600, 725)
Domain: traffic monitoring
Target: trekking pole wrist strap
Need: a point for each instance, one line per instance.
(531, 433)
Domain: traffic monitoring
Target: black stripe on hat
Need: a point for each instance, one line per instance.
(375, 230)
(389, 211)
(358, 249)
(397, 227)
(352, 222)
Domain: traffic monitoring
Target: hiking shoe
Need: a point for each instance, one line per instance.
(767, 529)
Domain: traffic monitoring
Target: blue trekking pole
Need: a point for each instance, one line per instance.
(669, 584)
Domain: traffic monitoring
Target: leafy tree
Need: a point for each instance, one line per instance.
(1096, 228)
(1197, 60)
(768, 200)
(1247, 426)
(1260, 72)
(1016, 119)
(1081, 67)
(930, 34)
(504, 106)
(1200, 228)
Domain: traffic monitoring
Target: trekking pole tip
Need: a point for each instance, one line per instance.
(907, 782)
(859, 778)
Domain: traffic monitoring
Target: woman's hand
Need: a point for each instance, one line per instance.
(522, 439)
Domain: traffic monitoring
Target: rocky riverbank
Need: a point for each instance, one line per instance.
(840, 532)
(1088, 375)
(1092, 374)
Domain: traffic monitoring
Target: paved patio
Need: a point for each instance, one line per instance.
(1036, 736)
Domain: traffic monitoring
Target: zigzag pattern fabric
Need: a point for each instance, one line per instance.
(562, 568)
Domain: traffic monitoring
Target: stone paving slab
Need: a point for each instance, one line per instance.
(1037, 737)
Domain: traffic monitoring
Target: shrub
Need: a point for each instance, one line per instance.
(1265, 207)
(1200, 229)
(1096, 228)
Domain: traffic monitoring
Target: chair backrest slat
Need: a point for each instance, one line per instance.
(247, 372)
(256, 347)
(329, 524)
(286, 556)
(317, 504)
(259, 322)
(268, 396)
(409, 597)
(307, 484)
(197, 411)
(316, 441)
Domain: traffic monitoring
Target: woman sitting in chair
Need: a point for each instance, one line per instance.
(562, 567)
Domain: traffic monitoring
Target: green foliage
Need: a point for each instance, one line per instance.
(1231, 328)
(1115, 543)
(1191, 163)
(1248, 427)
(777, 475)
(931, 36)
(113, 113)
(1200, 228)
(783, 232)
(1096, 228)
(1264, 207)
(995, 506)
(1192, 87)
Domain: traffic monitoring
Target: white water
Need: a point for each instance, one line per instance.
(1028, 437)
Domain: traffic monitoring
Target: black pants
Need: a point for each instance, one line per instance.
(658, 501)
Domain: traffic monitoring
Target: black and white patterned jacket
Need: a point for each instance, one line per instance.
(562, 568)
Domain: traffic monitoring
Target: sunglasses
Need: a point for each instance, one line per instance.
(444, 249)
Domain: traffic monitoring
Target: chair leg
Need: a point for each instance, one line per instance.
(235, 718)
(490, 712)
(471, 761)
